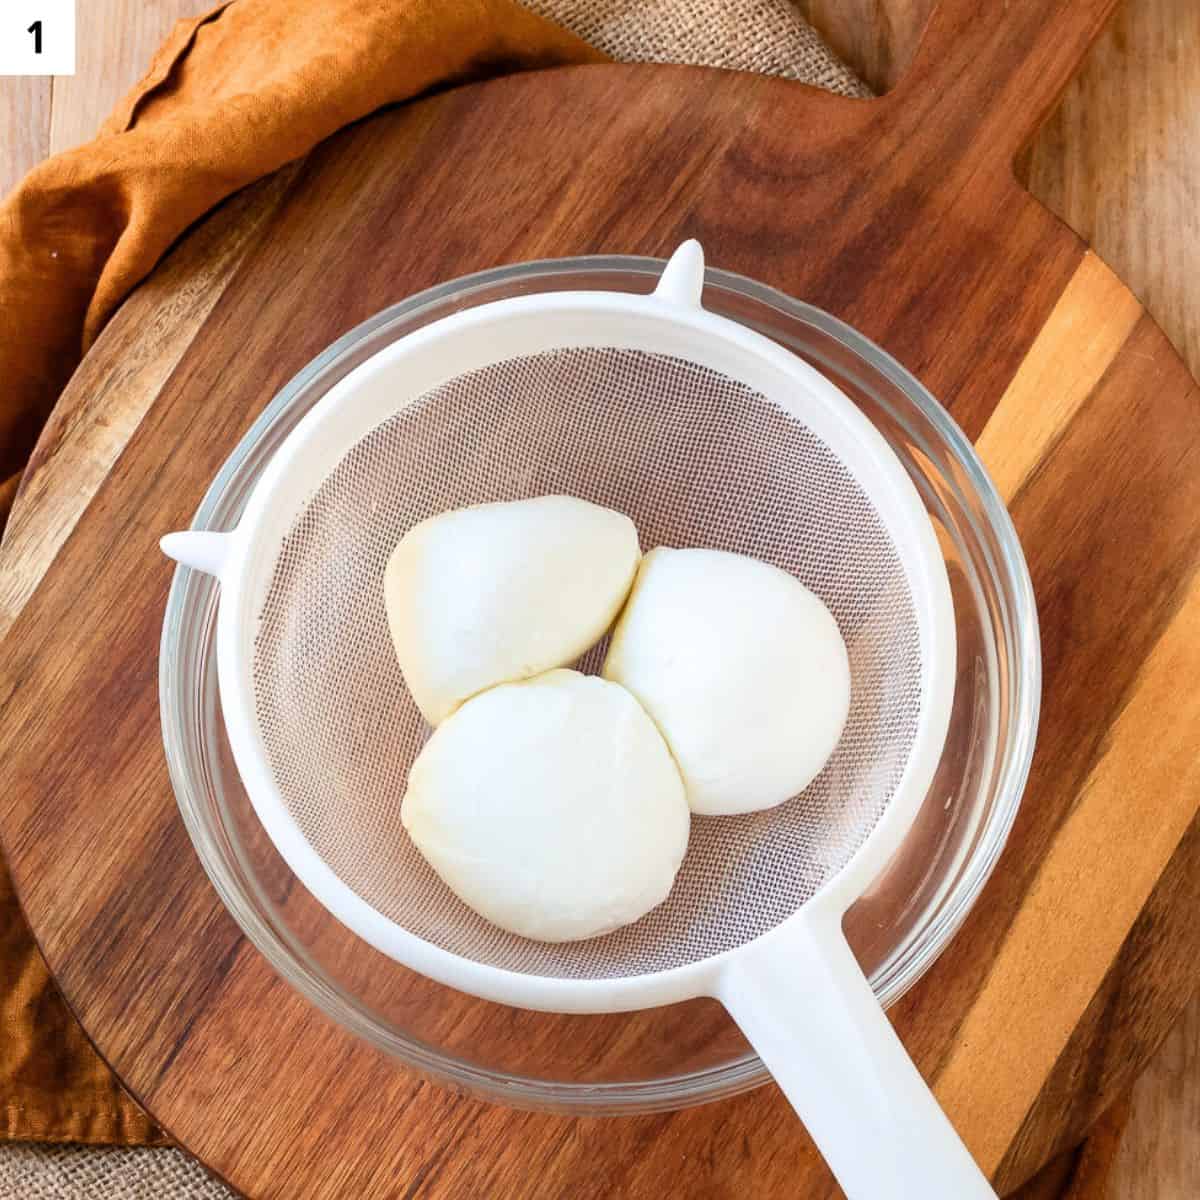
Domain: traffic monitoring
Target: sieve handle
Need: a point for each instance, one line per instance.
(801, 999)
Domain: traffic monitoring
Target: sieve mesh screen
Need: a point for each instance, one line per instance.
(696, 459)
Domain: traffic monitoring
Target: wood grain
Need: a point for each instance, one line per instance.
(114, 45)
(1129, 1015)
(92, 424)
(904, 233)
(24, 126)
(1117, 160)
(877, 38)
(1095, 894)
(1120, 1025)
(1160, 1153)
(1075, 347)
(1113, 161)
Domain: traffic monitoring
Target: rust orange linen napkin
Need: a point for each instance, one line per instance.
(230, 97)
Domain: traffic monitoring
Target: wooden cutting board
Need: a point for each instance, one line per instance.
(899, 215)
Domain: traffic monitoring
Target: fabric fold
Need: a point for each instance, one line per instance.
(230, 97)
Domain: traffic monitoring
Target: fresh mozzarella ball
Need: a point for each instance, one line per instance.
(552, 807)
(501, 592)
(743, 670)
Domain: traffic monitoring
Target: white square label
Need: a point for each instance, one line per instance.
(37, 37)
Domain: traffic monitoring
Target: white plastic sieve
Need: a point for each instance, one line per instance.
(706, 434)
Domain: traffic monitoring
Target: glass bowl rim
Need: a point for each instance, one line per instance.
(289, 958)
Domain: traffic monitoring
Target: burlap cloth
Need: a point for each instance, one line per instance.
(52, 1086)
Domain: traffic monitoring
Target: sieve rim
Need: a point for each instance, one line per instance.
(256, 540)
(187, 705)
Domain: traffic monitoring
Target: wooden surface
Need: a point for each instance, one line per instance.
(1165, 1116)
(1117, 161)
(1007, 1013)
(1117, 158)
(114, 44)
(1095, 1056)
(24, 127)
(1120, 159)
(114, 48)
(877, 38)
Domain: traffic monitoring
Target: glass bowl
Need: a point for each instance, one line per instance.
(685, 1053)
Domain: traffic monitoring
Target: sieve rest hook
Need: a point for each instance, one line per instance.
(199, 549)
(682, 279)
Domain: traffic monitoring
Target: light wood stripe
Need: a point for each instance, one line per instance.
(106, 409)
(1085, 898)
(24, 126)
(1086, 329)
